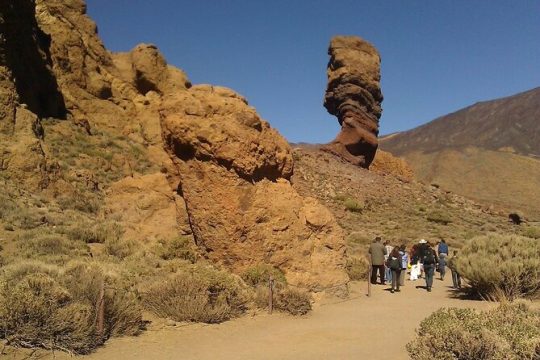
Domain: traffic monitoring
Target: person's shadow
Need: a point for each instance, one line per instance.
(421, 287)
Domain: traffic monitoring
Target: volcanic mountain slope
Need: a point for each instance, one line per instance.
(489, 151)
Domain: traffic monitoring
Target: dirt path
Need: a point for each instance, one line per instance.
(361, 328)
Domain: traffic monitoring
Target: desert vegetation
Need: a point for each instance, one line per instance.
(53, 307)
(500, 266)
(509, 332)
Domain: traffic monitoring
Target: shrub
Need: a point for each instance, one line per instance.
(260, 275)
(532, 232)
(500, 265)
(353, 205)
(88, 203)
(439, 217)
(201, 295)
(120, 247)
(509, 332)
(53, 308)
(177, 248)
(293, 301)
(53, 246)
(357, 268)
(94, 232)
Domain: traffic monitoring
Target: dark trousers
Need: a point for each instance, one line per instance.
(374, 269)
(429, 270)
(395, 279)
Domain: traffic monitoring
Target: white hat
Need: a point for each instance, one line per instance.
(422, 241)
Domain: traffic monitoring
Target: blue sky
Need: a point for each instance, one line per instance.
(437, 56)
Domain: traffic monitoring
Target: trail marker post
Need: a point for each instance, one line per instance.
(369, 279)
(271, 294)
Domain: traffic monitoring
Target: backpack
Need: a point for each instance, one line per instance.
(394, 263)
(429, 258)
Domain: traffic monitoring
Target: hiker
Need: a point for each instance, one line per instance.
(456, 278)
(394, 263)
(421, 250)
(442, 265)
(442, 248)
(388, 272)
(378, 254)
(415, 263)
(404, 264)
(429, 263)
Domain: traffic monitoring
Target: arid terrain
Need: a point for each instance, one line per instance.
(146, 217)
(488, 151)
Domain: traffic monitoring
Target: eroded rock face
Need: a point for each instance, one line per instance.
(233, 177)
(354, 95)
(28, 91)
(222, 174)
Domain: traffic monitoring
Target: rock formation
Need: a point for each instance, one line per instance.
(354, 95)
(215, 171)
(234, 170)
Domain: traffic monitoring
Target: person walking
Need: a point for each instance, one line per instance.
(404, 264)
(421, 251)
(377, 252)
(442, 265)
(456, 278)
(430, 260)
(415, 263)
(442, 248)
(394, 263)
(388, 271)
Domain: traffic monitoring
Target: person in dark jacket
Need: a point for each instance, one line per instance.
(394, 263)
(430, 262)
(377, 252)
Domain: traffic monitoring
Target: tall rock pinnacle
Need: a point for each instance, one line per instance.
(354, 95)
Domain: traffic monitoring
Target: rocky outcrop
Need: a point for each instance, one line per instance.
(25, 64)
(234, 170)
(214, 170)
(354, 95)
(28, 91)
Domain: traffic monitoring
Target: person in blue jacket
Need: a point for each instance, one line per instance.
(442, 248)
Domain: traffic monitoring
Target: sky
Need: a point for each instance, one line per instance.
(437, 56)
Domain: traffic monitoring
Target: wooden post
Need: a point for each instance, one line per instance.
(369, 279)
(271, 294)
(100, 324)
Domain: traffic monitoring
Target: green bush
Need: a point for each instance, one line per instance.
(357, 268)
(54, 308)
(500, 265)
(509, 332)
(260, 275)
(294, 301)
(201, 295)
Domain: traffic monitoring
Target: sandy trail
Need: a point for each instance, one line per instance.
(359, 328)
